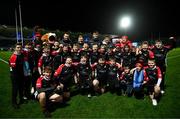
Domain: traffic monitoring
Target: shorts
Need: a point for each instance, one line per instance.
(150, 89)
(85, 83)
(102, 82)
(114, 83)
(48, 93)
(129, 89)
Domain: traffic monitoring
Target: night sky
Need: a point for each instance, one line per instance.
(148, 16)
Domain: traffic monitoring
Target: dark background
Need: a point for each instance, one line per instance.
(150, 17)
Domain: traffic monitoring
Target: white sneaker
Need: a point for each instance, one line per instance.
(32, 90)
(154, 102)
(162, 91)
(89, 95)
(25, 98)
(35, 94)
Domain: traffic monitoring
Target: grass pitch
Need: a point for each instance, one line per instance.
(105, 106)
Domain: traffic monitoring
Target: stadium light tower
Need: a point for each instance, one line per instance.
(125, 23)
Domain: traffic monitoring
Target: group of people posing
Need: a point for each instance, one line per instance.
(49, 69)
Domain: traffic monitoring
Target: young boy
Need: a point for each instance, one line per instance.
(160, 53)
(64, 75)
(143, 54)
(127, 81)
(85, 50)
(75, 53)
(153, 77)
(84, 75)
(100, 75)
(113, 74)
(44, 60)
(46, 91)
(118, 54)
(138, 80)
(37, 52)
(102, 52)
(61, 57)
(94, 54)
(28, 66)
(127, 56)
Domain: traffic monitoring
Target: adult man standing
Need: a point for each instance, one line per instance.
(17, 75)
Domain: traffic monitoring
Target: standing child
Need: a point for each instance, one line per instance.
(143, 53)
(44, 60)
(113, 74)
(61, 57)
(28, 66)
(75, 53)
(100, 75)
(37, 54)
(94, 54)
(84, 72)
(160, 53)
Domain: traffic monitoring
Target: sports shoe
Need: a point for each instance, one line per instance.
(154, 102)
(35, 94)
(89, 95)
(25, 98)
(32, 90)
(162, 91)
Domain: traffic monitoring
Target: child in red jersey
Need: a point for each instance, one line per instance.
(113, 74)
(64, 75)
(126, 80)
(160, 53)
(99, 72)
(153, 77)
(47, 90)
(84, 75)
(45, 59)
(143, 53)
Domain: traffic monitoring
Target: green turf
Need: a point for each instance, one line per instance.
(5, 55)
(105, 106)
